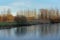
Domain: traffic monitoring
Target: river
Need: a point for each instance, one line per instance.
(34, 32)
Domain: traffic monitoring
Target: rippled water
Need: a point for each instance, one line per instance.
(36, 32)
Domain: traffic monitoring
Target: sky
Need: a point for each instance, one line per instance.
(16, 5)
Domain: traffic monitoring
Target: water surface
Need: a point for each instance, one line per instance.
(35, 32)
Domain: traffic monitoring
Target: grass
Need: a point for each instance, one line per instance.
(14, 23)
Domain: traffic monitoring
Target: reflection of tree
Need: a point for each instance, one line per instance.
(8, 32)
(48, 29)
(44, 29)
(21, 30)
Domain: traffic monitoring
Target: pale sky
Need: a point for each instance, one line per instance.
(16, 5)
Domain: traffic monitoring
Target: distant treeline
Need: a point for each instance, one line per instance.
(29, 15)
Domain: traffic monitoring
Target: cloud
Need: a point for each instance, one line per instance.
(15, 6)
(4, 7)
(21, 4)
(18, 4)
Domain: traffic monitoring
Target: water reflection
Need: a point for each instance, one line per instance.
(49, 29)
(38, 32)
(21, 31)
(43, 30)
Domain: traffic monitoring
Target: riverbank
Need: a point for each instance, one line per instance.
(7, 25)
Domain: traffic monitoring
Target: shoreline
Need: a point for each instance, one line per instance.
(13, 26)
